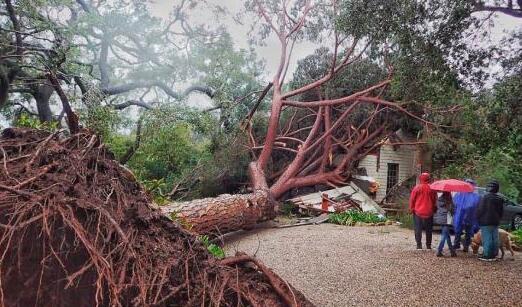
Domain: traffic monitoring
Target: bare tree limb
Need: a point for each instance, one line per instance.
(16, 26)
(128, 103)
(258, 102)
(509, 10)
(72, 118)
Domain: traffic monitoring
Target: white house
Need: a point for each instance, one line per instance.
(398, 159)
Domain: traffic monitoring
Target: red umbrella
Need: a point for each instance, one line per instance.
(452, 185)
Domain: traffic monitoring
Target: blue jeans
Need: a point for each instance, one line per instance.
(468, 228)
(490, 241)
(445, 237)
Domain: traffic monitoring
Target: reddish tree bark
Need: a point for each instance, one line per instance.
(333, 131)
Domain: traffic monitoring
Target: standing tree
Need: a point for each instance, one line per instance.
(112, 53)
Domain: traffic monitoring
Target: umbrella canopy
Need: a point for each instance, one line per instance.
(452, 185)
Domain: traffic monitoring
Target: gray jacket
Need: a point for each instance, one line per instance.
(443, 214)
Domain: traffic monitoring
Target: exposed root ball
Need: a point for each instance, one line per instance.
(76, 229)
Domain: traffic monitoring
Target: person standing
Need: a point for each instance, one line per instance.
(465, 219)
(422, 206)
(443, 217)
(489, 213)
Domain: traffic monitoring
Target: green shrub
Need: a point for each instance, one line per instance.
(29, 121)
(351, 217)
(215, 250)
(517, 237)
(287, 209)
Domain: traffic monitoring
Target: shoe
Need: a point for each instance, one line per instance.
(419, 247)
(439, 254)
(428, 246)
(453, 254)
(465, 249)
(487, 259)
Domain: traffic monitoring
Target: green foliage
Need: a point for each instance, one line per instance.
(225, 170)
(517, 237)
(501, 164)
(352, 217)
(358, 76)
(215, 250)
(234, 74)
(103, 120)
(287, 208)
(28, 121)
(491, 139)
(120, 143)
(166, 153)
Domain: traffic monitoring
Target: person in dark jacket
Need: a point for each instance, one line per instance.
(443, 217)
(422, 206)
(489, 213)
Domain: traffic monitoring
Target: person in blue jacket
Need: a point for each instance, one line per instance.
(465, 219)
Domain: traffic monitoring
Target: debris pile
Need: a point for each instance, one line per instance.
(76, 229)
(337, 200)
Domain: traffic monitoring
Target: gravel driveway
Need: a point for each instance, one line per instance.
(375, 266)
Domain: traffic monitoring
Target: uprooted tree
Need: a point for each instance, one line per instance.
(316, 133)
(76, 228)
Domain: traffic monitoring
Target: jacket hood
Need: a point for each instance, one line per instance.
(424, 178)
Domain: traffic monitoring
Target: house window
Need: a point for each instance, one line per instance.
(392, 179)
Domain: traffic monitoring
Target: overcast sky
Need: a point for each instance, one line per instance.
(270, 53)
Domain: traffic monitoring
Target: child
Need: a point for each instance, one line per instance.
(443, 217)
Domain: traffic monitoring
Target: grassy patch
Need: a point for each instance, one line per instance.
(406, 220)
(352, 217)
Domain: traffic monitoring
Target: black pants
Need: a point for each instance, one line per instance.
(427, 225)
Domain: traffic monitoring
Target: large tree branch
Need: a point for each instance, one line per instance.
(86, 7)
(200, 88)
(128, 103)
(263, 13)
(72, 118)
(297, 163)
(119, 89)
(505, 10)
(338, 101)
(258, 102)
(102, 63)
(332, 72)
(16, 26)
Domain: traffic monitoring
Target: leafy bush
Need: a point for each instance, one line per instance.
(517, 237)
(28, 121)
(287, 208)
(215, 250)
(351, 217)
(103, 120)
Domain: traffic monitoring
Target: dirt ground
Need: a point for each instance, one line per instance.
(369, 266)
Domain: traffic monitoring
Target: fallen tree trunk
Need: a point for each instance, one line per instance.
(76, 229)
(222, 214)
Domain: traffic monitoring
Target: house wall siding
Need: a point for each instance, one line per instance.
(404, 156)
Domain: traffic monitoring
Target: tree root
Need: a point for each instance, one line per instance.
(77, 229)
